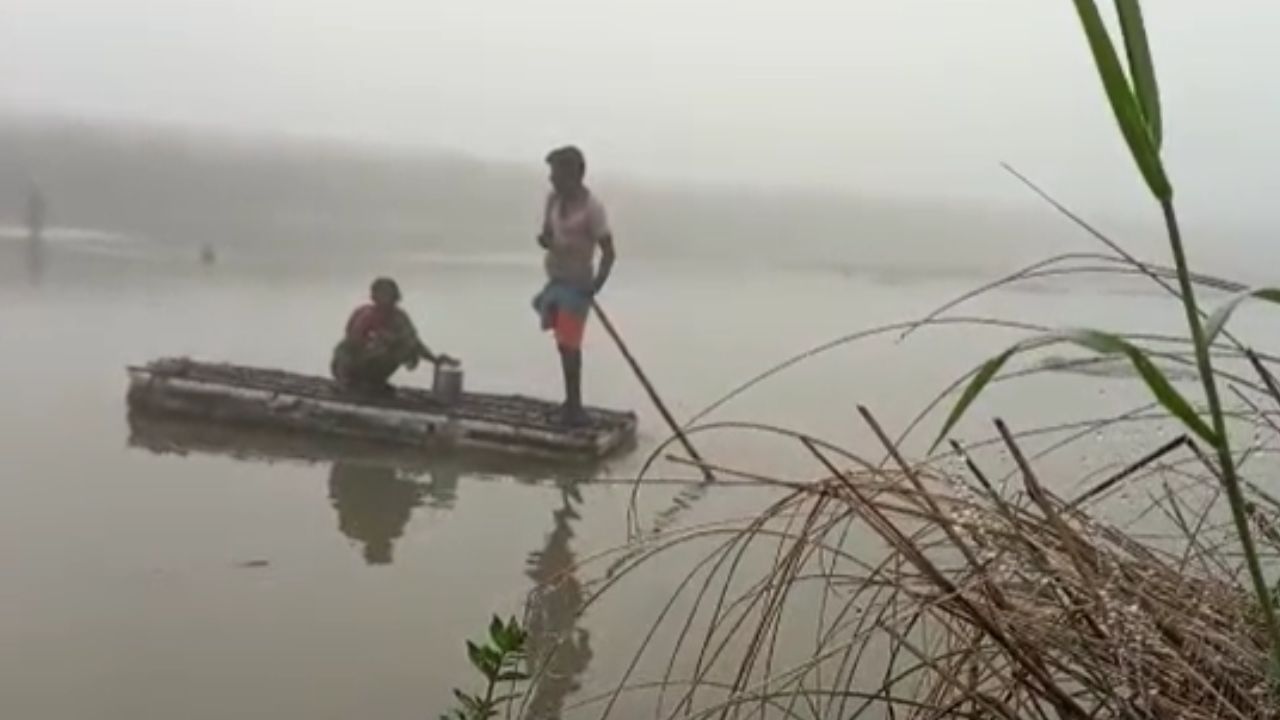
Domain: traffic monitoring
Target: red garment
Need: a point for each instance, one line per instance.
(569, 329)
(367, 321)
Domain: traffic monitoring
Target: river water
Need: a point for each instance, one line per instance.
(242, 579)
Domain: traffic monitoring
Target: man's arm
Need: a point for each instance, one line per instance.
(409, 332)
(423, 351)
(426, 353)
(599, 228)
(607, 257)
(544, 236)
(435, 358)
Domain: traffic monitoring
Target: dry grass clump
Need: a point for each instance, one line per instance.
(928, 594)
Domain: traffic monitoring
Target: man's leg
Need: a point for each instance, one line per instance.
(340, 364)
(571, 364)
(569, 330)
(369, 372)
(380, 370)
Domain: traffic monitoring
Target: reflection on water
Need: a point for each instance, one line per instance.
(36, 260)
(374, 502)
(375, 491)
(559, 650)
(373, 505)
(35, 241)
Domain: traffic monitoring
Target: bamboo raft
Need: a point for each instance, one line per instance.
(248, 397)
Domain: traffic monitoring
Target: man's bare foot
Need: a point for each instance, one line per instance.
(574, 417)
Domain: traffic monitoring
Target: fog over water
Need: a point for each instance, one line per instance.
(912, 99)
(223, 179)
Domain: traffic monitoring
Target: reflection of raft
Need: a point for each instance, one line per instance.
(247, 397)
(182, 436)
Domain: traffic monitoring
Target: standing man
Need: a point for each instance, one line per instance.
(574, 224)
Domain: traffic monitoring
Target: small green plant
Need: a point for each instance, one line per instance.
(500, 658)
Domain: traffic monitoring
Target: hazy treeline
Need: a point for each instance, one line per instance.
(174, 186)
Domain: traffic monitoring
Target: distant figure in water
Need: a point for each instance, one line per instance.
(380, 338)
(35, 234)
(574, 224)
(207, 256)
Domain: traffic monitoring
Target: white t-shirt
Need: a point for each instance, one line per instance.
(573, 238)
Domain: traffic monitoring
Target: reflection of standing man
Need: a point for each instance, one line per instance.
(559, 650)
(35, 234)
(573, 226)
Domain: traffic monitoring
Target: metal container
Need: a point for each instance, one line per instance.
(446, 385)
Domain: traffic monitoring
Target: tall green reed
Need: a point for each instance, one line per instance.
(1134, 96)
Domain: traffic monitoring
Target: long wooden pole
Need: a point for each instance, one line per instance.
(653, 393)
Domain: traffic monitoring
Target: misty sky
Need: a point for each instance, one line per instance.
(886, 96)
